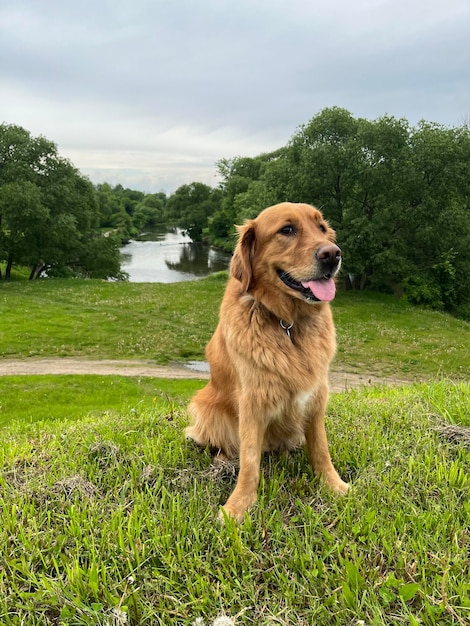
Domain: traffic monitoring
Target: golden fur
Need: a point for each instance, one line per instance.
(269, 386)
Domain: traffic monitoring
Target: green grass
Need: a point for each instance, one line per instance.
(379, 333)
(108, 320)
(111, 517)
(28, 399)
(108, 516)
(376, 333)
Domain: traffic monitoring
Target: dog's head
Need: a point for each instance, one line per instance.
(288, 248)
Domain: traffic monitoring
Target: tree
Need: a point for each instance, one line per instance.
(372, 207)
(49, 215)
(24, 221)
(398, 197)
(109, 204)
(191, 207)
(128, 212)
(149, 212)
(245, 192)
(437, 206)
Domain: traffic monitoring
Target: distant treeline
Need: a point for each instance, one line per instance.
(398, 197)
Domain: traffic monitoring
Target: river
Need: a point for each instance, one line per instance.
(170, 257)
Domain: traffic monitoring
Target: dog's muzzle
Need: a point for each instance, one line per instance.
(321, 286)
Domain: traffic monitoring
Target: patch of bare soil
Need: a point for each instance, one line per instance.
(70, 365)
(339, 380)
(455, 434)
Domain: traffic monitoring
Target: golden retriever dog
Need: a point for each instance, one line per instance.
(270, 354)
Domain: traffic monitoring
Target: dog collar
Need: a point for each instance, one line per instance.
(287, 328)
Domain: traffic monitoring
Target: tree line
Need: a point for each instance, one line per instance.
(49, 216)
(55, 222)
(397, 195)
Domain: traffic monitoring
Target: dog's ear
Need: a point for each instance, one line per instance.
(241, 266)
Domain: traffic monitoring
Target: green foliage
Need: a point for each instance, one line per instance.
(397, 196)
(149, 213)
(246, 192)
(48, 213)
(127, 212)
(99, 259)
(191, 207)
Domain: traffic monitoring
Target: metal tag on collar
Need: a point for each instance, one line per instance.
(286, 328)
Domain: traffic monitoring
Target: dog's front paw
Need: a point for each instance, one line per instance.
(237, 505)
(229, 513)
(335, 484)
(342, 488)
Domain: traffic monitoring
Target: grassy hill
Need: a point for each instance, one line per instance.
(376, 333)
(108, 516)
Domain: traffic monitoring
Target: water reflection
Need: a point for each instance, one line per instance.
(198, 260)
(170, 257)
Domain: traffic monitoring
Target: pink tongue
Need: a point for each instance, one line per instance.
(322, 289)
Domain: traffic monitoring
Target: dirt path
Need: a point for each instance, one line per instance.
(339, 380)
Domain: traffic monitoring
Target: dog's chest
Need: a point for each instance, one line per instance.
(286, 423)
(301, 400)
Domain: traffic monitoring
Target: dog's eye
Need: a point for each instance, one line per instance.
(288, 229)
(322, 228)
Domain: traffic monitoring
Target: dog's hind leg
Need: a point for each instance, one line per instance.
(214, 421)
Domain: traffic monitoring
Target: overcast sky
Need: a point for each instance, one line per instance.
(151, 93)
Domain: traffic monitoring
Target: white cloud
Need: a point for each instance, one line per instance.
(156, 91)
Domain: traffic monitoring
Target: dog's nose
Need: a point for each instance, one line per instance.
(329, 255)
(328, 260)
